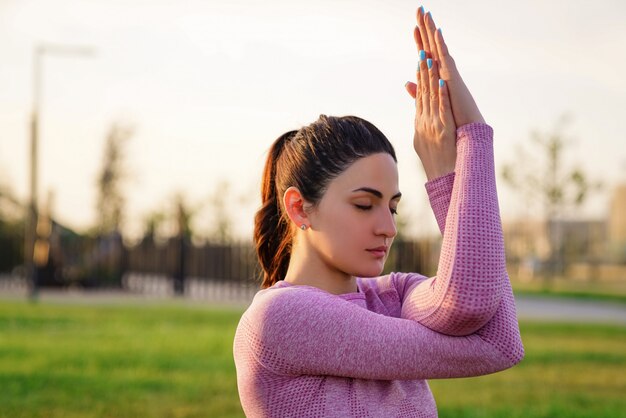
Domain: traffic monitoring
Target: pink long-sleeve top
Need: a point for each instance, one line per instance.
(303, 352)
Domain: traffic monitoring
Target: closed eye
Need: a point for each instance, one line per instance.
(394, 211)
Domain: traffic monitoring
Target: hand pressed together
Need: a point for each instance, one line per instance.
(442, 101)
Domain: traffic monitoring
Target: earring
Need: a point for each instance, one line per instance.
(303, 227)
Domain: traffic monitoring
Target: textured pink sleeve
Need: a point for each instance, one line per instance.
(439, 194)
(301, 330)
(471, 276)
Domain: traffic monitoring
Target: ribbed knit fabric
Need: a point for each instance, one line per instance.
(302, 352)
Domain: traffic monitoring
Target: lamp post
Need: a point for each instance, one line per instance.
(30, 235)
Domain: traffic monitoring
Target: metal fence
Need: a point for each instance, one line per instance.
(177, 267)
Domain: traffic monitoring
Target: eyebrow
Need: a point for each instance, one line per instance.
(376, 192)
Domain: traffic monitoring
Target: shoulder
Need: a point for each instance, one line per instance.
(276, 308)
(278, 298)
(280, 321)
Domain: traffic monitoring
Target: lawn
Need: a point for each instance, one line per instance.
(175, 360)
(613, 291)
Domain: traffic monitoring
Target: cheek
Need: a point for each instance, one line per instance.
(342, 227)
(347, 221)
(350, 233)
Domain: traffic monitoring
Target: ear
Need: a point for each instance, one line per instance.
(294, 206)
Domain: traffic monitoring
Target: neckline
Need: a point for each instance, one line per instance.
(350, 295)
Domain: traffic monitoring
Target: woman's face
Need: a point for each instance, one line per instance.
(353, 225)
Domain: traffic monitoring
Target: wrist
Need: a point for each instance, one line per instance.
(438, 169)
(470, 120)
(435, 186)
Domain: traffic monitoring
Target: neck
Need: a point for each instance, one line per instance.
(307, 268)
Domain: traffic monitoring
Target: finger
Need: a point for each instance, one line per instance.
(423, 88)
(418, 38)
(445, 109)
(411, 88)
(442, 48)
(433, 82)
(445, 60)
(419, 101)
(430, 32)
(422, 29)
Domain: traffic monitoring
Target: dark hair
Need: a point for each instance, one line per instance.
(307, 159)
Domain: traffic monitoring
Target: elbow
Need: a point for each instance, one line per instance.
(466, 320)
(512, 357)
(519, 355)
(471, 309)
(516, 357)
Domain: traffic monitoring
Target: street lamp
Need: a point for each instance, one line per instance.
(40, 52)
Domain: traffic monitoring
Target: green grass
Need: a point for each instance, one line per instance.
(570, 370)
(610, 291)
(175, 360)
(116, 361)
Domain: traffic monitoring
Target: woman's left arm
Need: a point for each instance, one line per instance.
(471, 277)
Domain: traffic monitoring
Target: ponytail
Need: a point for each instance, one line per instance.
(272, 236)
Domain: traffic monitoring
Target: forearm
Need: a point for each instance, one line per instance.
(470, 279)
(439, 194)
(328, 336)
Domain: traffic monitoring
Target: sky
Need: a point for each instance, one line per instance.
(208, 85)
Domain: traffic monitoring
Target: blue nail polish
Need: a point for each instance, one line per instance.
(430, 63)
(429, 15)
(440, 83)
(422, 9)
(422, 55)
(440, 31)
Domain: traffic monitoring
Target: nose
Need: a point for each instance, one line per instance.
(386, 225)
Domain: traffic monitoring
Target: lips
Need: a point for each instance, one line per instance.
(379, 251)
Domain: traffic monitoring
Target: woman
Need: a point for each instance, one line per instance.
(326, 337)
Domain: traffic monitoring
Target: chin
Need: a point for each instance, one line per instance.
(370, 272)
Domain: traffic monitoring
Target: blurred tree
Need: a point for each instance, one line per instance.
(222, 230)
(110, 205)
(152, 225)
(110, 255)
(12, 230)
(184, 215)
(10, 206)
(542, 176)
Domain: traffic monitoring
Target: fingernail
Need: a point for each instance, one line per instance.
(429, 15)
(440, 83)
(430, 63)
(422, 55)
(422, 9)
(406, 84)
(440, 31)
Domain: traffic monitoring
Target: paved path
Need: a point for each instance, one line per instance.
(570, 310)
(537, 308)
